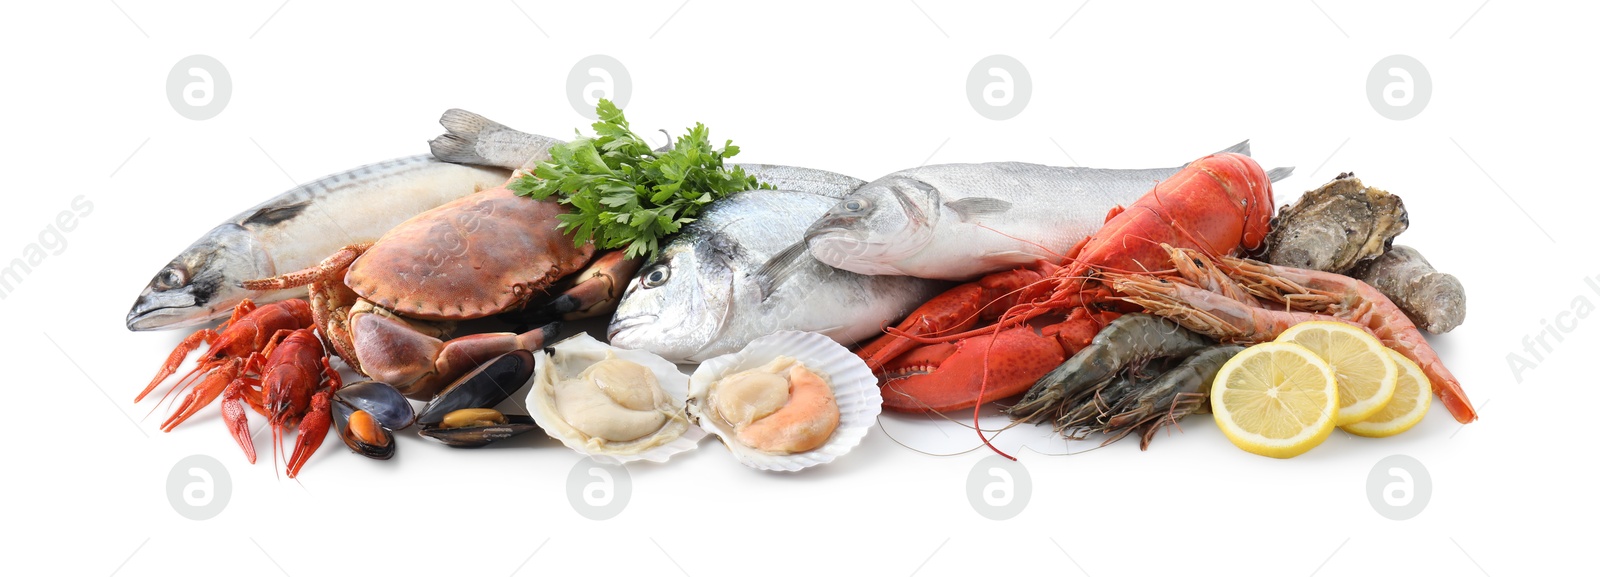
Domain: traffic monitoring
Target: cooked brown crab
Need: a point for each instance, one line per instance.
(386, 306)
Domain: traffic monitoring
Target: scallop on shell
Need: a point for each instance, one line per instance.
(854, 392)
(615, 405)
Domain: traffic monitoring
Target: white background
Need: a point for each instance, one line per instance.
(856, 87)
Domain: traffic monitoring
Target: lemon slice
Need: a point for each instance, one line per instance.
(1361, 364)
(1275, 399)
(1412, 395)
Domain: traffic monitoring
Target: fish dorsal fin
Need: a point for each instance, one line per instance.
(272, 215)
(1240, 148)
(781, 267)
(1273, 175)
(973, 208)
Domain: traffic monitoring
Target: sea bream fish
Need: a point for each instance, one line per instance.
(959, 221)
(741, 272)
(299, 228)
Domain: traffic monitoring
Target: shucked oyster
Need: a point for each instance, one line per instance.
(611, 403)
(1336, 227)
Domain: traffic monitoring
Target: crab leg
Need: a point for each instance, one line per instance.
(326, 270)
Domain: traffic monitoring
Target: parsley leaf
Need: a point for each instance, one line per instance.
(623, 194)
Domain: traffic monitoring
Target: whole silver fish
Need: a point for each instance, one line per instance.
(301, 227)
(740, 272)
(959, 221)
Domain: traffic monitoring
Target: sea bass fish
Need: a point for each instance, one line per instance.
(714, 287)
(959, 221)
(299, 228)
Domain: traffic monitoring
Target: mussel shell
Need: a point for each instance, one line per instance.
(385, 403)
(341, 424)
(469, 437)
(484, 387)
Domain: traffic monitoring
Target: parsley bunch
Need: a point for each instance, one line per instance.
(623, 194)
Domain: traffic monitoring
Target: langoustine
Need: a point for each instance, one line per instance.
(1297, 295)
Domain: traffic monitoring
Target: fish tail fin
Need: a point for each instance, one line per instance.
(472, 139)
(459, 143)
(1240, 148)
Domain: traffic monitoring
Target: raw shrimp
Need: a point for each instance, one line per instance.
(1129, 338)
(1178, 393)
(1087, 411)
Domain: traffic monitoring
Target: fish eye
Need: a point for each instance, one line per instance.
(855, 205)
(656, 276)
(169, 278)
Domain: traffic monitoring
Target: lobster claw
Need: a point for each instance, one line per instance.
(948, 376)
(979, 369)
(955, 310)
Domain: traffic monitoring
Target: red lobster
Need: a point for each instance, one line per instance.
(932, 361)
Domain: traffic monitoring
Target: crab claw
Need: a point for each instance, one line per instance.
(420, 365)
(591, 293)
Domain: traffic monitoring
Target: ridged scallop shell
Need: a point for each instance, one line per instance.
(546, 373)
(855, 390)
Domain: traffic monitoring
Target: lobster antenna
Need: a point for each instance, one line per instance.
(983, 387)
(898, 442)
(931, 414)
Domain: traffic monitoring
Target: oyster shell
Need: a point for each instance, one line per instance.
(1336, 227)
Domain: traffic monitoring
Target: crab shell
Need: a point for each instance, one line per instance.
(473, 257)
